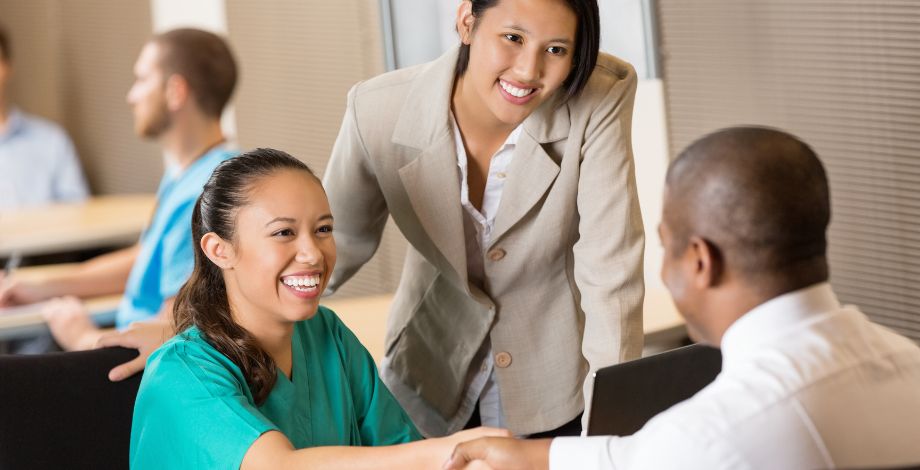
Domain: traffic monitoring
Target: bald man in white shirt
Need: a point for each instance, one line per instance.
(806, 383)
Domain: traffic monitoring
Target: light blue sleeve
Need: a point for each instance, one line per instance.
(177, 256)
(192, 412)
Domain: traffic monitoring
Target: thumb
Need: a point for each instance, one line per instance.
(127, 369)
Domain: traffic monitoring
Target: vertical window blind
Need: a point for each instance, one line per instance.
(844, 75)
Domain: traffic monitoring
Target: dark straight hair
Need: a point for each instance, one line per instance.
(587, 42)
(202, 301)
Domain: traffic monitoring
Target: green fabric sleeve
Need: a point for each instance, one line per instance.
(193, 410)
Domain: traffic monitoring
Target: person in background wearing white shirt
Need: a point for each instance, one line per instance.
(38, 163)
(806, 383)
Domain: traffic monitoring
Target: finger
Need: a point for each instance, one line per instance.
(127, 369)
(465, 453)
(123, 339)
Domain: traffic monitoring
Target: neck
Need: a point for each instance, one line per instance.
(273, 337)
(189, 138)
(474, 119)
(740, 295)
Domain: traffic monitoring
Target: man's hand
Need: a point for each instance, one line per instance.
(500, 453)
(14, 292)
(70, 324)
(145, 336)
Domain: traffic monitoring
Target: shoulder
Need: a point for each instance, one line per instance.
(46, 130)
(188, 362)
(386, 86)
(612, 80)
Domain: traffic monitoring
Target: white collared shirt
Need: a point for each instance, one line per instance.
(805, 384)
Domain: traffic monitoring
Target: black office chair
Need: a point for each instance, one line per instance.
(60, 410)
(627, 395)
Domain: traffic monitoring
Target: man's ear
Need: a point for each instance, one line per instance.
(177, 92)
(218, 250)
(465, 21)
(708, 262)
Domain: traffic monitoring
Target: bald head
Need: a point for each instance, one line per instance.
(759, 195)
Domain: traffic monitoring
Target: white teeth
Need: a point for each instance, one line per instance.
(302, 283)
(515, 91)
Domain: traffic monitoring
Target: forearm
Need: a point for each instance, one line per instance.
(103, 275)
(272, 450)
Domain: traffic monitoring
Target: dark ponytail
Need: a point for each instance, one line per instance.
(202, 301)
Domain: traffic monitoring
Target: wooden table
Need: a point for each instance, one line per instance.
(365, 316)
(99, 222)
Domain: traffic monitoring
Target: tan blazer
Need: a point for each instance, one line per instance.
(564, 284)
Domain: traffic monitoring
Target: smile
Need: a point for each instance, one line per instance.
(515, 91)
(303, 285)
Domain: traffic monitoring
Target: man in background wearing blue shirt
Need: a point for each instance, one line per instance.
(38, 162)
(183, 80)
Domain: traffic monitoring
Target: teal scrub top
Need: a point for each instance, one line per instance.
(194, 409)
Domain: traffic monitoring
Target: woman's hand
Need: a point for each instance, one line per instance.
(443, 447)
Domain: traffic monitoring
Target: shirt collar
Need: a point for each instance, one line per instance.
(511, 141)
(776, 318)
(14, 124)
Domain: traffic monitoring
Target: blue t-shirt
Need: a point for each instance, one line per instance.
(194, 408)
(167, 256)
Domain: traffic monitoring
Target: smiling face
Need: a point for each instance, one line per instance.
(282, 251)
(147, 96)
(520, 54)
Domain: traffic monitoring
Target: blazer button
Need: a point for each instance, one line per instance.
(496, 254)
(503, 359)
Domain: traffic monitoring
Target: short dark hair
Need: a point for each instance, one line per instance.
(760, 195)
(6, 53)
(587, 43)
(205, 61)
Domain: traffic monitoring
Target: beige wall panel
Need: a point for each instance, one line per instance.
(34, 30)
(100, 41)
(298, 60)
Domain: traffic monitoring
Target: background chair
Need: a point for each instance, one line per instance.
(627, 395)
(60, 410)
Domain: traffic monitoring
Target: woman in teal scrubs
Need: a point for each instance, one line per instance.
(262, 376)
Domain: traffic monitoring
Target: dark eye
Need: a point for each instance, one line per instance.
(556, 50)
(285, 232)
(325, 229)
(513, 37)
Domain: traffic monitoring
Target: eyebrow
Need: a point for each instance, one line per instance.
(515, 27)
(291, 220)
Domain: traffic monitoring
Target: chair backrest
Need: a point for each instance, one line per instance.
(60, 410)
(627, 395)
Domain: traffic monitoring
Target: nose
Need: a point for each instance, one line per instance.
(529, 64)
(309, 252)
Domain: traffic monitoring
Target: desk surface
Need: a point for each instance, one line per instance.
(365, 316)
(99, 222)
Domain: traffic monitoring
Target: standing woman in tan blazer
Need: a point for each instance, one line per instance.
(507, 164)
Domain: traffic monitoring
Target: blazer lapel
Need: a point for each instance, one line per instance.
(432, 180)
(432, 183)
(532, 170)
